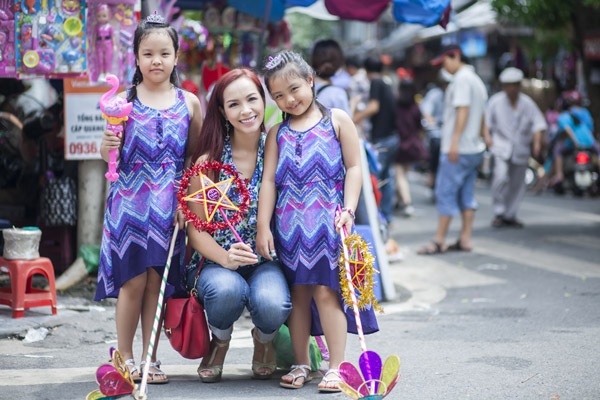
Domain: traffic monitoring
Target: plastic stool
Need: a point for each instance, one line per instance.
(21, 295)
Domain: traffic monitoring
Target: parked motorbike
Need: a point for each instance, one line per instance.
(581, 173)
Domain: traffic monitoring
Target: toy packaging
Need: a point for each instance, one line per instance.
(50, 38)
(110, 28)
(7, 39)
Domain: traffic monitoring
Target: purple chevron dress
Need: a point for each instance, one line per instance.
(310, 185)
(141, 204)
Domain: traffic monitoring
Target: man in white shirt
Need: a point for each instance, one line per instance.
(513, 122)
(461, 150)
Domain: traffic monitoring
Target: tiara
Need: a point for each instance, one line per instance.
(155, 18)
(274, 61)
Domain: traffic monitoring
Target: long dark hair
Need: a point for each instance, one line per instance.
(327, 58)
(213, 129)
(290, 64)
(144, 29)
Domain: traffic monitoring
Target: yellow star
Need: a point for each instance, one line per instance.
(212, 196)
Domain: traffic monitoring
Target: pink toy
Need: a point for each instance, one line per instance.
(104, 42)
(115, 110)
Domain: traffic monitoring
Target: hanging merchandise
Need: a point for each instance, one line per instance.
(280, 36)
(110, 28)
(7, 40)
(50, 38)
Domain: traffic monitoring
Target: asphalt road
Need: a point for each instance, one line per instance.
(517, 318)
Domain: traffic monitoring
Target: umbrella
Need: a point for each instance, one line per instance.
(424, 12)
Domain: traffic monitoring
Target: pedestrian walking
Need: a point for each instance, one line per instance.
(312, 166)
(380, 109)
(432, 108)
(162, 128)
(461, 150)
(412, 148)
(513, 131)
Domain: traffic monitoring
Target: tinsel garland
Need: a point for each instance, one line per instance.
(361, 269)
(238, 184)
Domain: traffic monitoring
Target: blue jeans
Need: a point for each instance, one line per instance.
(225, 293)
(387, 148)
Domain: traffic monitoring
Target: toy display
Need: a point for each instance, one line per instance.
(7, 40)
(110, 29)
(50, 38)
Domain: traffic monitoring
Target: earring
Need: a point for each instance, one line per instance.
(227, 129)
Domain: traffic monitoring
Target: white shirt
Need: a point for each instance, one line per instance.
(465, 90)
(512, 129)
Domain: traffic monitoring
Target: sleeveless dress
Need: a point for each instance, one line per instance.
(310, 185)
(141, 203)
(247, 227)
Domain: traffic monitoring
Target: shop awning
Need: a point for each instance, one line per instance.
(424, 12)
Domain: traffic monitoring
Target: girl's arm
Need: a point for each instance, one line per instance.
(239, 254)
(195, 110)
(351, 154)
(267, 196)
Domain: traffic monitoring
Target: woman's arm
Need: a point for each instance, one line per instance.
(351, 155)
(267, 196)
(239, 254)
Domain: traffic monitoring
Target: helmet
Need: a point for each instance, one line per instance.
(572, 97)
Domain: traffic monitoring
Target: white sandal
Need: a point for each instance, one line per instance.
(297, 372)
(152, 375)
(133, 370)
(327, 381)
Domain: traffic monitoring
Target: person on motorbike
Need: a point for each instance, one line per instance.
(578, 125)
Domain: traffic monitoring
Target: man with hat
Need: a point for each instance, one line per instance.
(513, 122)
(461, 150)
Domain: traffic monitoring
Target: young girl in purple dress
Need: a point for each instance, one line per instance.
(312, 166)
(156, 145)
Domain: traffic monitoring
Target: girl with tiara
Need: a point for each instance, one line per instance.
(312, 166)
(156, 145)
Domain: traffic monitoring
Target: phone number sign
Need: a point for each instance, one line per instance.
(84, 124)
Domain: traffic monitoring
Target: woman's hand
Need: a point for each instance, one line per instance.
(344, 218)
(265, 246)
(239, 255)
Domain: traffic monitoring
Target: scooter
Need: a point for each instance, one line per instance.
(581, 173)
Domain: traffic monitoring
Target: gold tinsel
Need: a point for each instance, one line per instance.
(364, 290)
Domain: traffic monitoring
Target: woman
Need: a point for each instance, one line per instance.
(232, 276)
(327, 59)
(412, 149)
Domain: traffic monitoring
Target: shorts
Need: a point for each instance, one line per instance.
(455, 184)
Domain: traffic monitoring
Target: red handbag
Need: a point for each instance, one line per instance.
(185, 325)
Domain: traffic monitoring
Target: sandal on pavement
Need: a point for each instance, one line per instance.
(133, 371)
(458, 246)
(296, 372)
(330, 381)
(263, 369)
(152, 375)
(432, 248)
(210, 372)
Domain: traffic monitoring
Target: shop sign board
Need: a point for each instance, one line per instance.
(84, 124)
(591, 47)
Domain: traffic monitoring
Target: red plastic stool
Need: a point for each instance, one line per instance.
(21, 295)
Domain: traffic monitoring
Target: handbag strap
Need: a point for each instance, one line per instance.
(194, 290)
